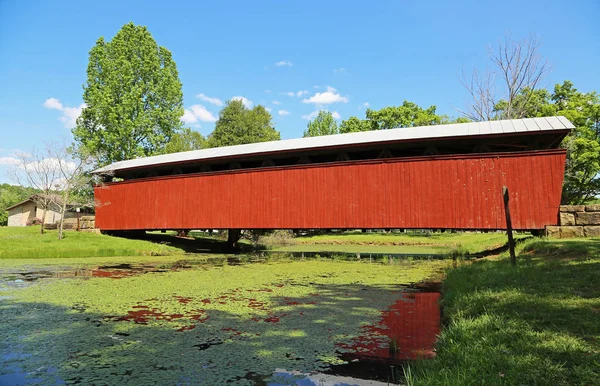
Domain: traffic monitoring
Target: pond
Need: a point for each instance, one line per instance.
(199, 320)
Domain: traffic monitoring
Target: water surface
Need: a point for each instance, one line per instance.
(187, 322)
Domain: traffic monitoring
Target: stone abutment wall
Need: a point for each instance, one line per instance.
(576, 221)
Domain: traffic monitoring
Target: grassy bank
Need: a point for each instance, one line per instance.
(470, 242)
(26, 242)
(536, 324)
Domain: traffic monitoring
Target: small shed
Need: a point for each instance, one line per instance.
(25, 212)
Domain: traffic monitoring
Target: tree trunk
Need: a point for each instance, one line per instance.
(43, 221)
(233, 236)
(63, 210)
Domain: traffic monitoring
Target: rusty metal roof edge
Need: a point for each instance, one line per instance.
(364, 137)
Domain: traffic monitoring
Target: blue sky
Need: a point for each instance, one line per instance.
(345, 52)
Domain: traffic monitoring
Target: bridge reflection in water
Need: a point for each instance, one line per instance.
(411, 326)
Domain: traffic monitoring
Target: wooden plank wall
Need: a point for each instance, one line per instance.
(445, 192)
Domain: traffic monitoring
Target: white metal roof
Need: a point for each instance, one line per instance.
(471, 129)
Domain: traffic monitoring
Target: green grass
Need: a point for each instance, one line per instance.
(538, 323)
(468, 242)
(26, 242)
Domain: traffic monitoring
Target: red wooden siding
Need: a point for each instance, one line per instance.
(453, 192)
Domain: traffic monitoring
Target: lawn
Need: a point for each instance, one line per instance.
(26, 242)
(538, 323)
(468, 242)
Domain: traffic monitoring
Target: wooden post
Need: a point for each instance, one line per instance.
(511, 240)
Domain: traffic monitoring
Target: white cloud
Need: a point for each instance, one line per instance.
(311, 116)
(315, 86)
(276, 102)
(213, 101)
(268, 109)
(69, 114)
(283, 112)
(53, 104)
(51, 167)
(196, 113)
(283, 63)
(245, 101)
(268, 91)
(366, 104)
(189, 117)
(297, 93)
(202, 113)
(339, 70)
(9, 161)
(51, 164)
(327, 97)
(336, 115)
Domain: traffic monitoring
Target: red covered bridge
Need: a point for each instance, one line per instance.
(443, 177)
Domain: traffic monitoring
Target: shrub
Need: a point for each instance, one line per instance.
(278, 237)
(33, 221)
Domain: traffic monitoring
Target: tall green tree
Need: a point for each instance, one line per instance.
(354, 124)
(133, 97)
(583, 144)
(239, 125)
(406, 115)
(185, 140)
(323, 124)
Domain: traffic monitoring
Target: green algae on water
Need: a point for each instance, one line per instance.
(208, 326)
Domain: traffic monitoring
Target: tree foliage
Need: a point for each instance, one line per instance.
(239, 125)
(133, 97)
(323, 124)
(408, 114)
(354, 124)
(185, 140)
(583, 148)
(11, 195)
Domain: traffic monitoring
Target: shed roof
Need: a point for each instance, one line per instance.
(54, 198)
(471, 129)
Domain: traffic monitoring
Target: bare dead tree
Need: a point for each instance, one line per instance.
(482, 89)
(518, 69)
(57, 172)
(74, 167)
(521, 67)
(38, 170)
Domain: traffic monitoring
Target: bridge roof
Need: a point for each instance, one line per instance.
(418, 133)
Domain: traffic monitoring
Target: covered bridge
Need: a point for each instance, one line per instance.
(438, 177)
